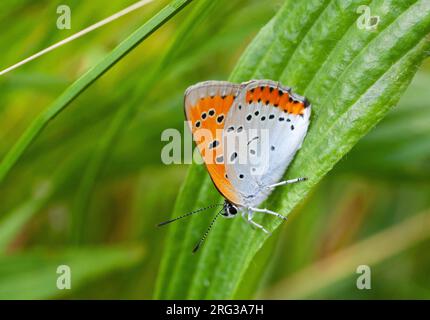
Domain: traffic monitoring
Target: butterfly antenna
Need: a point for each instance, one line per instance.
(190, 213)
(207, 231)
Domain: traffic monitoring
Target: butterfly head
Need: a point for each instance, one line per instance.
(230, 210)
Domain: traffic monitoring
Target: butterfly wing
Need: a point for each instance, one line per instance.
(206, 107)
(275, 122)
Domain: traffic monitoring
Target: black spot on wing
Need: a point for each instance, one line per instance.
(213, 144)
(220, 118)
(233, 156)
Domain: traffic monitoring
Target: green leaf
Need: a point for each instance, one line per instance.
(33, 275)
(398, 148)
(352, 76)
(74, 90)
(311, 283)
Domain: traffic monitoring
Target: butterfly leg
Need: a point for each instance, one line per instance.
(282, 183)
(247, 215)
(268, 212)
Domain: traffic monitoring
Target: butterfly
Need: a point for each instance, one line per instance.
(247, 135)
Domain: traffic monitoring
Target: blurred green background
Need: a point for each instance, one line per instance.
(372, 209)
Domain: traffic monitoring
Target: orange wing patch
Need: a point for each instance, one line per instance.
(278, 97)
(206, 108)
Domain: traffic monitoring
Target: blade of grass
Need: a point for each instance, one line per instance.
(75, 126)
(77, 35)
(123, 116)
(74, 90)
(360, 76)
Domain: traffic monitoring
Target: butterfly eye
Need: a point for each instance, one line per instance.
(232, 210)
